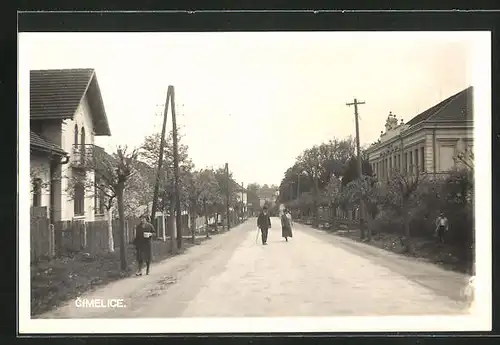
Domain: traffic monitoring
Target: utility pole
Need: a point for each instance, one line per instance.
(242, 201)
(178, 220)
(227, 196)
(160, 158)
(360, 165)
(298, 187)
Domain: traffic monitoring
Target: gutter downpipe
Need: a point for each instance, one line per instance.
(53, 165)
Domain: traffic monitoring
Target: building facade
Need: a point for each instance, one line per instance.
(66, 110)
(429, 142)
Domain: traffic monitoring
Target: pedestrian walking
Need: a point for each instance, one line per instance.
(143, 234)
(286, 225)
(264, 223)
(441, 227)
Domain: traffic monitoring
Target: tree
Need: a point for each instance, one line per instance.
(223, 185)
(150, 152)
(205, 192)
(351, 171)
(364, 190)
(108, 175)
(466, 158)
(252, 197)
(334, 156)
(139, 190)
(333, 192)
(400, 194)
(311, 162)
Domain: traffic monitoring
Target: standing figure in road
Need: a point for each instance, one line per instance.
(142, 241)
(441, 227)
(286, 224)
(264, 223)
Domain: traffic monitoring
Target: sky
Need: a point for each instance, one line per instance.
(257, 100)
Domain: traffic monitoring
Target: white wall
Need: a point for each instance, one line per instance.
(82, 118)
(40, 168)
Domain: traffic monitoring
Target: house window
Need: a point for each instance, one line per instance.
(37, 192)
(79, 199)
(76, 135)
(405, 162)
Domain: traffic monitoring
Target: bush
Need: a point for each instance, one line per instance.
(453, 196)
(388, 222)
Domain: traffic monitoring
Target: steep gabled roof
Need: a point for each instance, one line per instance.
(44, 145)
(455, 108)
(57, 93)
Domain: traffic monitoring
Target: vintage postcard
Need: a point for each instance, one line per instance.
(254, 182)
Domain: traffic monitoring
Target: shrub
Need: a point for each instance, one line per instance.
(388, 222)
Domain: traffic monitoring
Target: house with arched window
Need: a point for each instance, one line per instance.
(66, 114)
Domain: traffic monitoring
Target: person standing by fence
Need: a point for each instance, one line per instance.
(143, 233)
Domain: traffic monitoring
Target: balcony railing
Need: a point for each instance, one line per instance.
(83, 156)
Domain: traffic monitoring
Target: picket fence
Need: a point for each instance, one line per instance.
(66, 237)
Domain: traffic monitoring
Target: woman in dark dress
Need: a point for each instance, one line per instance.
(286, 225)
(143, 234)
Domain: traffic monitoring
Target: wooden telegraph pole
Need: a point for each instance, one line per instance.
(178, 221)
(227, 196)
(360, 165)
(160, 158)
(242, 201)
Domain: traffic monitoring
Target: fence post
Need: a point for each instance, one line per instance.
(52, 241)
(84, 235)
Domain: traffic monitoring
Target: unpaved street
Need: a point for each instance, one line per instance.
(314, 274)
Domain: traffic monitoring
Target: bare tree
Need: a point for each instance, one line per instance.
(333, 192)
(366, 190)
(400, 194)
(466, 158)
(110, 176)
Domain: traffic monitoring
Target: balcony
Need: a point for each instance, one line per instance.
(83, 156)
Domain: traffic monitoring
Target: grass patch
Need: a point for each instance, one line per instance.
(443, 255)
(61, 279)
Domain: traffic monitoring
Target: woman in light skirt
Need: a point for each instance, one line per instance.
(286, 225)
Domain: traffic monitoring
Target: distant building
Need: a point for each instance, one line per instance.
(267, 196)
(429, 142)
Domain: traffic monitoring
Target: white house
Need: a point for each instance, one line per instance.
(66, 112)
(429, 142)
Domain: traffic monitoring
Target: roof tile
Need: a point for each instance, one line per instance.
(37, 142)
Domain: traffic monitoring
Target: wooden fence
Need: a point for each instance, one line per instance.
(67, 237)
(41, 235)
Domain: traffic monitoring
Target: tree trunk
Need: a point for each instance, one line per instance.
(216, 221)
(121, 215)
(206, 218)
(315, 204)
(171, 229)
(366, 217)
(111, 242)
(193, 221)
(361, 223)
(407, 242)
(333, 216)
